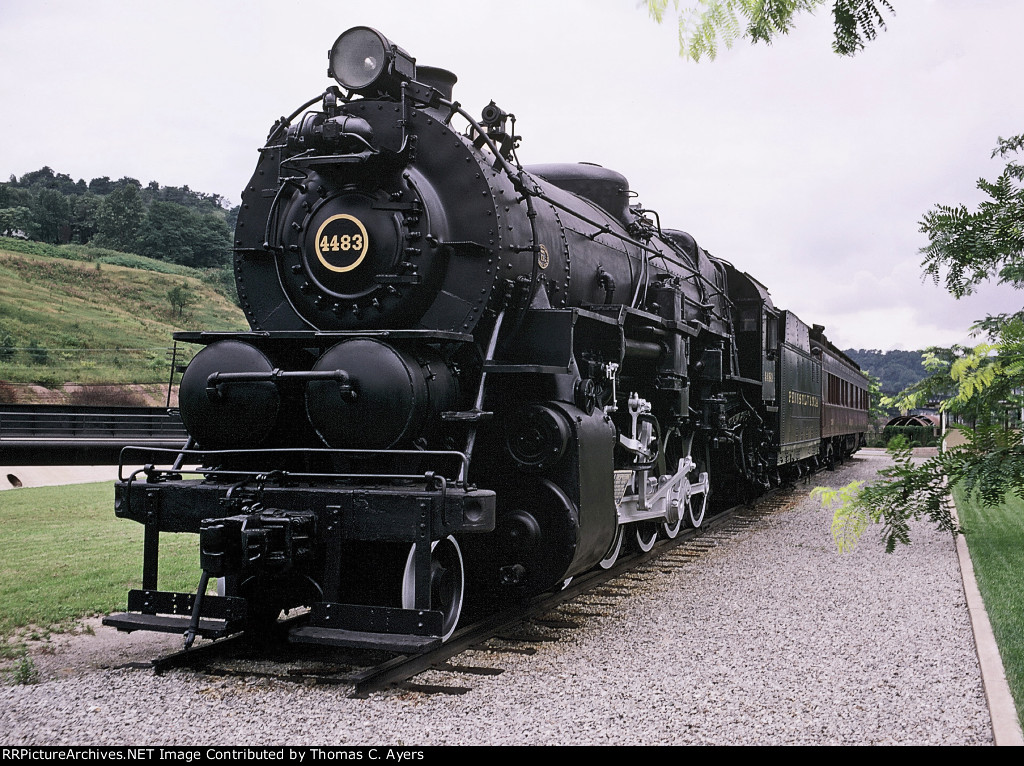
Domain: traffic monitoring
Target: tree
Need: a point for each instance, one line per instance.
(174, 233)
(965, 248)
(101, 186)
(13, 219)
(120, 218)
(968, 248)
(51, 217)
(13, 196)
(170, 223)
(973, 383)
(896, 369)
(180, 297)
(876, 407)
(856, 22)
(212, 242)
(45, 178)
(231, 219)
(167, 233)
(85, 215)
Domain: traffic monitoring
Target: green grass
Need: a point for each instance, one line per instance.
(995, 537)
(104, 320)
(64, 556)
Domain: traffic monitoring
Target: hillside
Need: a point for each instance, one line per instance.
(85, 315)
(895, 370)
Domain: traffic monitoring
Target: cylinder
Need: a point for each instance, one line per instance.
(397, 395)
(235, 414)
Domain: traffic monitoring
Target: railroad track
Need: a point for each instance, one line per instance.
(513, 631)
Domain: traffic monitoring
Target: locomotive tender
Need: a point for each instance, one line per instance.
(466, 381)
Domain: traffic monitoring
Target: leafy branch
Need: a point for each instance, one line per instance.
(967, 248)
(856, 22)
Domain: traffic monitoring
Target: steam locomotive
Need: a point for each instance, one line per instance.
(466, 380)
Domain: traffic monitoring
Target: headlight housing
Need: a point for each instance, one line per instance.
(363, 61)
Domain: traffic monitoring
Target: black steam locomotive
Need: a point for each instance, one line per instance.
(466, 380)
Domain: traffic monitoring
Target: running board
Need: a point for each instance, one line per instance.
(126, 622)
(370, 627)
(170, 612)
(354, 639)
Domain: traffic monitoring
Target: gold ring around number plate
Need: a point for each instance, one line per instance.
(333, 243)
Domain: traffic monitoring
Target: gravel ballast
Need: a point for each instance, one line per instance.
(770, 638)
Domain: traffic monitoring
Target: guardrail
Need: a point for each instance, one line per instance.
(40, 434)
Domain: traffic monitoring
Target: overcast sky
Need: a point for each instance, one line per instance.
(808, 170)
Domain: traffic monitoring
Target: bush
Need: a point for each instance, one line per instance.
(38, 354)
(47, 379)
(66, 340)
(24, 672)
(7, 346)
(916, 436)
(897, 442)
(874, 439)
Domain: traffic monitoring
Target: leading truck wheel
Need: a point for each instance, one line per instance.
(447, 582)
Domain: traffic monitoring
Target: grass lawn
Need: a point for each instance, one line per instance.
(995, 537)
(64, 556)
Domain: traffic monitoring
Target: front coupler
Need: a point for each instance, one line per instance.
(283, 546)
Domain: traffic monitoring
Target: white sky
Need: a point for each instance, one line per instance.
(807, 170)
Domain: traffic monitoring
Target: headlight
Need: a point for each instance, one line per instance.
(363, 59)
